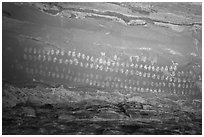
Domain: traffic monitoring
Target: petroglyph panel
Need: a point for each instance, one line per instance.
(127, 75)
(128, 58)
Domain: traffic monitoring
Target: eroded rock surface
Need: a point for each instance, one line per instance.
(102, 68)
(63, 111)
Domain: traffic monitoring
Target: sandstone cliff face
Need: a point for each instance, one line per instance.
(102, 68)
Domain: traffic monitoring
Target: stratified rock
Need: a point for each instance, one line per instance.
(110, 115)
(11, 96)
(42, 131)
(138, 99)
(72, 68)
(66, 117)
(29, 111)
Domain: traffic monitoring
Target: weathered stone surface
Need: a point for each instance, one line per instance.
(167, 114)
(36, 107)
(29, 111)
(137, 99)
(12, 96)
(66, 117)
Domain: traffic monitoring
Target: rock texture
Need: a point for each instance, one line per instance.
(39, 98)
(63, 111)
